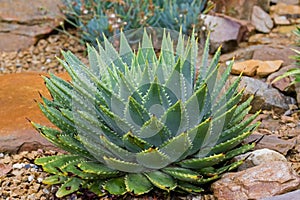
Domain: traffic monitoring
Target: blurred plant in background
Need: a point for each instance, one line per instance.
(93, 18)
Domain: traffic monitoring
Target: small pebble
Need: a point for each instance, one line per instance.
(30, 178)
(18, 165)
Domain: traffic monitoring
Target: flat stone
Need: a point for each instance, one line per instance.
(268, 67)
(291, 11)
(259, 157)
(256, 67)
(17, 95)
(23, 22)
(248, 67)
(288, 196)
(265, 180)
(271, 142)
(14, 42)
(261, 20)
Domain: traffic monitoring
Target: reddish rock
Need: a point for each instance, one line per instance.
(282, 84)
(271, 142)
(261, 20)
(23, 22)
(228, 31)
(265, 180)
(17, 95)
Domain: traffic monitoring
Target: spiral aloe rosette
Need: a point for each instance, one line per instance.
(132, 121)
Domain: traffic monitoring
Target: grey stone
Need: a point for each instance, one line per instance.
(261, 20)
(227, 31)
(265, 97)
(259, 157)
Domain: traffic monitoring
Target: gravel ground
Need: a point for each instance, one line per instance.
(42, 56)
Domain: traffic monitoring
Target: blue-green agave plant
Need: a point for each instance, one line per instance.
(132, 121)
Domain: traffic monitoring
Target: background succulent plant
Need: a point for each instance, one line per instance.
(133, 121)
(93, 18)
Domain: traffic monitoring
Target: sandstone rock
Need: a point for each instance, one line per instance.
(266, 98)
(23, 22)
(256, 67)
(267, 67)
(288, 196)
(261, 20)
(274, 52)
(248, 67)
(259, 157)
(17, 95)
(266, 180)
(271, 142)
(240, 9)
(291, 11)
(228, 32)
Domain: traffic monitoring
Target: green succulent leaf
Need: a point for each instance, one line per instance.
(71, 185)
(115, 186)
(161, 180)
(137, 184)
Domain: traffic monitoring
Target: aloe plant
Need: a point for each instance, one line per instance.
(132, 121)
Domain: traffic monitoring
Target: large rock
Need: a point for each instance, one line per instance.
(17, 95)
(23, 22)
(265, 97)
(261, 20)
(227, 31)
(265, 180)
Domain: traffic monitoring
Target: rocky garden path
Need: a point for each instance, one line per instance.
(259, 36)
